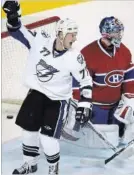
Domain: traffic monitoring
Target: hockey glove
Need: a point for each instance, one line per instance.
(83, 112)
(125, 110)
(12, 9)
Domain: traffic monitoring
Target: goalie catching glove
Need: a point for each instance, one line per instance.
(12, 10)
(125, 110)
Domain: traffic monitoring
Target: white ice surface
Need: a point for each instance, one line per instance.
(71, 156)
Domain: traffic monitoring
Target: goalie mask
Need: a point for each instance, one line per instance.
(112, 29)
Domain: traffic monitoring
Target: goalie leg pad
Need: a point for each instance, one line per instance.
(129, 133)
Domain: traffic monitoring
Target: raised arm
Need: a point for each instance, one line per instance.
(14, 25)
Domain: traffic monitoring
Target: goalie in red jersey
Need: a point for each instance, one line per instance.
(110, 64)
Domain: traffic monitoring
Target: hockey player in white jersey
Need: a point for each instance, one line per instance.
(50, 66)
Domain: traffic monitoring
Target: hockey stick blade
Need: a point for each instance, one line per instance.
(68, 136)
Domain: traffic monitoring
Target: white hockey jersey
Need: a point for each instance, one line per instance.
(48, 73)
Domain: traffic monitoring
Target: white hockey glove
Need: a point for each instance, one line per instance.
(125, 110)
(12, 10)
(83, 112)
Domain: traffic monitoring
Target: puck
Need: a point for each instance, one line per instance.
(10, 116)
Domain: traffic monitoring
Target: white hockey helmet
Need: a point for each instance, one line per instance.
(66, 26)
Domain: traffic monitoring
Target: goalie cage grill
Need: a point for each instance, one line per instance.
(14, 56)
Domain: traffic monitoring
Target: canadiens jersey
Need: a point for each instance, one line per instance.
(112, 75)
(49, 72)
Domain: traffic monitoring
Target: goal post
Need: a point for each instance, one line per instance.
(14, 55)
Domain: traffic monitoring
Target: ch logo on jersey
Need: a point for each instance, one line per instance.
(44, 71)
(114, 78)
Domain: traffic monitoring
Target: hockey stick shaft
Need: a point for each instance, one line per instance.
(119, 151)
(101, 136)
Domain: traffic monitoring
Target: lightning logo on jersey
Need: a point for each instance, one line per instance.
(44, 71)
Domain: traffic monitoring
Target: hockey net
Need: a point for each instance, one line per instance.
(14, 55)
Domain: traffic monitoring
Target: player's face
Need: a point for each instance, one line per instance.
(69, 39)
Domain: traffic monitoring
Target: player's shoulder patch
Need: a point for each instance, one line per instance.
(80, 58)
